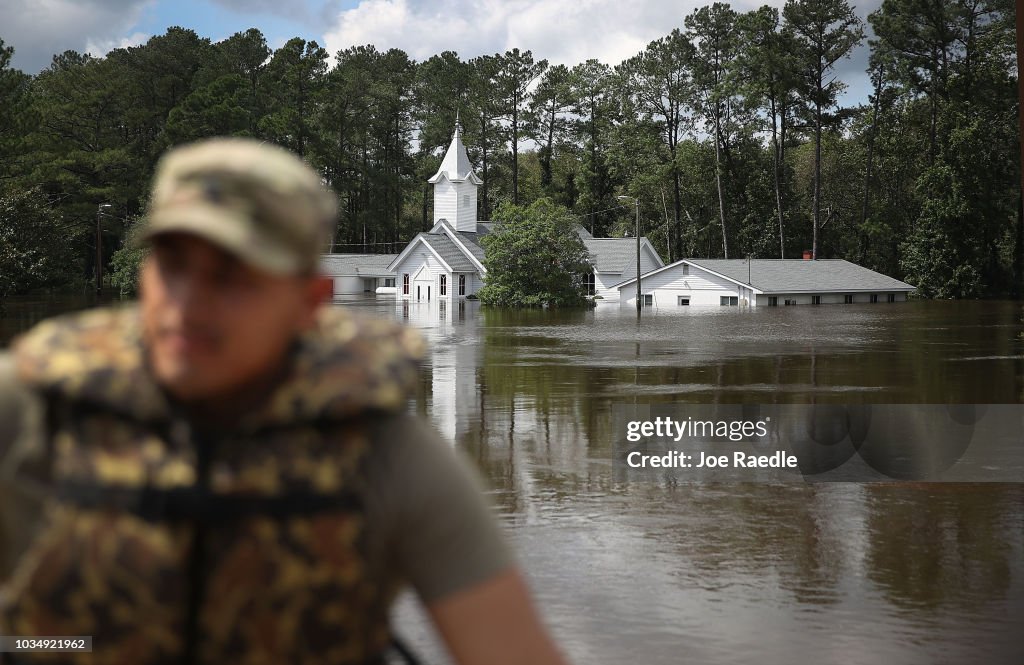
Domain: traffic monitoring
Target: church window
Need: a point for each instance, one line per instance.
(405, 284)
(462, 285)
(444, 285)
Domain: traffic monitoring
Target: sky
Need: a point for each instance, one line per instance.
(562, 32)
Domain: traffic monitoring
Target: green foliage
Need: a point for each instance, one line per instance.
(34, 253)
(535, 258)
(126, 262)
(715, 128)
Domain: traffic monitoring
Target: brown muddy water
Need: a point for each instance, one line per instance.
(637, 568)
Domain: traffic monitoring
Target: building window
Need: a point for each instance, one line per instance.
(848, 299)
(773, 301)
(405, 284)
(892, 297)
(648, 300)
(389, 281)
(462, 285)
(729, 300)
(790, 301)
(444, 285)
(815, 300)
(684, 301)
(686, 269)
(874, 297)
(465, 200)
(591, 282)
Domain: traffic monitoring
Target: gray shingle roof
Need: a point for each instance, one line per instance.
(449, 252)
(364, 265)
(472, 240)
(798, 275)
(611, 254)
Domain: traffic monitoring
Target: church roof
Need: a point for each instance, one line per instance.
(455, 166)
(793, 275)
(449, 252)
(612, 254)
(363, 265)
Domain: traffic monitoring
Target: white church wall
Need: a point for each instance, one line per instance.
(422, 267)
(465, 217)
(445, 200)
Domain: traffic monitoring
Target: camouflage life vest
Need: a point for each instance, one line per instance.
(249, 549)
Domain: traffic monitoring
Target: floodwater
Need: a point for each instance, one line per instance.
(639, 568)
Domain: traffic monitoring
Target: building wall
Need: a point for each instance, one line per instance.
(830, 298)
(604, 283)
(473, 284)
(702, 288)
(466, 218)
(445, 199)
(418, 258)
(705, 289)
(347, 284)
(456, 202)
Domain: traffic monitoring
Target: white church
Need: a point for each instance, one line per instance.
(447, 262)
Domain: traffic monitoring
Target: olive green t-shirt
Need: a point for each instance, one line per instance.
(429, 522)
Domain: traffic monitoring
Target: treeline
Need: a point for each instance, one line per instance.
(728, 130)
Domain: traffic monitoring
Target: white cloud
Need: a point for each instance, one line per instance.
(101, 48)
(39, 29)
(562, 32)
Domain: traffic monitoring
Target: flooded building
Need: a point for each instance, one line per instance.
(359, 273)
(448, 260)
(762, 282)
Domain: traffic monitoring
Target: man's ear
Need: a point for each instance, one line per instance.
(318, 290)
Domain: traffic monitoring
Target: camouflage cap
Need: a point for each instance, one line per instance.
(253, 199)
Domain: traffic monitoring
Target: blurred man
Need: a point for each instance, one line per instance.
(225, 473)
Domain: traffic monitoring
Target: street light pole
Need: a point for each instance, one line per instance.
(99, 248)
(639, 303)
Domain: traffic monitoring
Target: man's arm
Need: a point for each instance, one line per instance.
(448, 544)
(494, 623)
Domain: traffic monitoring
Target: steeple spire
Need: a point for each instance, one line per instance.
(455, 165)
(455, 185)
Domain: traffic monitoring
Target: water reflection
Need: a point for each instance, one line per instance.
(642, 568)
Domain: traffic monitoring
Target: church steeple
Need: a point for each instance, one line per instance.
(455, 186)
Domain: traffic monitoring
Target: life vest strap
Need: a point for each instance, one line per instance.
(188, 504)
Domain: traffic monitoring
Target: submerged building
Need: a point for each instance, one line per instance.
(762, 282)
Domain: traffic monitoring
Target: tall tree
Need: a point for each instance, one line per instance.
(825, 31)
(660, 84)
(714, 33)
(17, 115)
(768, 70)
(546, 118)
(483, 125)
(594, 110)
(296, 78)
(516, 71)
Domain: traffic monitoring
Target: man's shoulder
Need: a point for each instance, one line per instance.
(17, 404)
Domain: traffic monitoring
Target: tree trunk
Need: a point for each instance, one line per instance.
(546, 155)
(867, 171)
(515, 150)
(817, 173)
(483, 166)
(1018, 253)
(718, 182)
(778, 180)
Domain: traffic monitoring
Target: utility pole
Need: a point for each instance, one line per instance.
(99, 248)
(639, 303)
